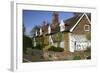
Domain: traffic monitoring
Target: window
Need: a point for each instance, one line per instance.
(86, 28)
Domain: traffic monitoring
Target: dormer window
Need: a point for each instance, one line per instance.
(86, 28)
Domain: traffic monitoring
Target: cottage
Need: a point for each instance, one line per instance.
(78, 29)
(75, 32)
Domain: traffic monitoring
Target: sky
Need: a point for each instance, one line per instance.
(32, 18)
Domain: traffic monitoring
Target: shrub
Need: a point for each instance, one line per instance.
(38, 46)
(76, 58)
(55, 49)
(27, 43)
(59, 49)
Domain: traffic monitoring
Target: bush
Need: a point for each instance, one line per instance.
(51, 48)
(77, 58)
(59, 49)
(38, 46)
(56, 49)
(27, 43)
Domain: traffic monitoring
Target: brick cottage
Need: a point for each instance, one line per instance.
(73, 34)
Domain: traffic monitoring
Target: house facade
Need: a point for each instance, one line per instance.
(73, 34)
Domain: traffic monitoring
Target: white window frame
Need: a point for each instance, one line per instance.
(88, 26)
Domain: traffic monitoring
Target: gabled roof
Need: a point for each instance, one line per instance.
(71, 23)
(89, 15)
(84, 14)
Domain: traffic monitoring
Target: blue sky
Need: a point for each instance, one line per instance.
(32, 18)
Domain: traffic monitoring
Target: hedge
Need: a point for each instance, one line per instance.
(55, 49)
(38, 46)
(76, 58)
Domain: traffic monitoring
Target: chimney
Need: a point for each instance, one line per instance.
(55, 18)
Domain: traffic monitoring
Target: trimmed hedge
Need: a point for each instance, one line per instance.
(38, 46)
(55, 49)
(76, 58)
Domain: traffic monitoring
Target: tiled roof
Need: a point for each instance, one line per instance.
(89, 16)
(54, 29)
(69, 23)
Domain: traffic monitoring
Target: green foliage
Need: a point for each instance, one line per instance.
(59, 49)
(58, 36)
(27, 43)
(38, 46)
(76, 58)
(56, 49)
(57, 28)
(40, 40)
(24, 29)
(51, 48)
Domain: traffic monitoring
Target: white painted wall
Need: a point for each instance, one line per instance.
(62, 44)
(78, 42)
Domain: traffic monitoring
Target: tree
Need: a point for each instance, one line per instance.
(24, 29)
(27, 42)
(58, 35)
(59, 38)
(34, 29)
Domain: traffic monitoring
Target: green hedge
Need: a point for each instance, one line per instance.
(38, 46)
(55, 49)
(76, 58)
(27, 43)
